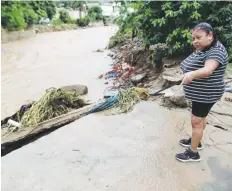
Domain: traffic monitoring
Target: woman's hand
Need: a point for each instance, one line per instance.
(206, 71)
(188, 78)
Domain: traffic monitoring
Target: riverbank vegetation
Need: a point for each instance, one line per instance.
(171, 22)
(19, 15)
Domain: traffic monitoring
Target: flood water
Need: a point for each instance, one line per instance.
(31, 66)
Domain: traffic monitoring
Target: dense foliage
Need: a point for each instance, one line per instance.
(16, 15)
(81, 6)
(95, 13)
(64, 16)
(170, 22)
(82, 22)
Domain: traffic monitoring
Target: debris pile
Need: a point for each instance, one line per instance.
(119, 72)
(141, 62)
(126, 99)
(53, 103)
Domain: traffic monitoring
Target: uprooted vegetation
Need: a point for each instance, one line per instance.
(54, 103)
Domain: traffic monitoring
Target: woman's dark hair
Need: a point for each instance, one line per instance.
(207, 28)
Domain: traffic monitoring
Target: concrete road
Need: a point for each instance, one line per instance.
(133, 151)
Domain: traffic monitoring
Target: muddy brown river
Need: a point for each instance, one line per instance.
(31, 66)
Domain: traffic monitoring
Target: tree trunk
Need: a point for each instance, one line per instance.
(80, 13)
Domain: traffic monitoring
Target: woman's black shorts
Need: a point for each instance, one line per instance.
(201, 109)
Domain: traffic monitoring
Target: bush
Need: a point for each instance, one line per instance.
(64, 16)
(73, 21)
(30, 16)
(47, 6)
(18, 15)
(82, 22)
(95, 13)
(57, 22)
(51, 11)
(13, 19)
(41, 13)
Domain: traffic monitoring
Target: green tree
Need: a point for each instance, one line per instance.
(41, 13)
(51, 11)
(170, 22)
(95, 13)
(76, 5)
(12, 17)
(30, 17)
(79, 5)
(64, 16)
(15, 19)
(44, 6)
(17, 15)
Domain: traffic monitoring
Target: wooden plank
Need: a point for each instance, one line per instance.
(47, 125)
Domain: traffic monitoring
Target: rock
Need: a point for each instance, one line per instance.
(174, 79)
(173, 74)
(146, 85)
(229, 76)
(151, 83)
(37, 31)
(138, 78)
(155, 91)
(139, 70)
(170, 65)
(112, 55)
(79, 89)
(145, 66)
(228, 88)
(153, 78)
(228, 80)
(148, 70)
(176, 96)
(116, 61)
(140, 85)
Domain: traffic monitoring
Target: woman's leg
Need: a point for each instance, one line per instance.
(205, 121)
(198, 125)
(198, 120)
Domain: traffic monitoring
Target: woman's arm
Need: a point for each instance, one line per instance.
(206, 71)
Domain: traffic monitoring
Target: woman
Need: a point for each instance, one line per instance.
(203, 83)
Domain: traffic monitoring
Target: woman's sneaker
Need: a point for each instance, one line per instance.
(188, 156)
(187, 143)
